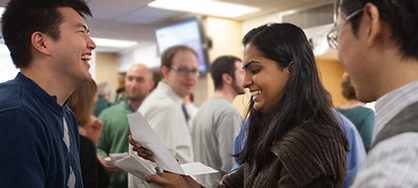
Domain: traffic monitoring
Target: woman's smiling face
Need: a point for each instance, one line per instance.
(265, 80)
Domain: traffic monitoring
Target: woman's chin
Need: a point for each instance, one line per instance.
(262, 109)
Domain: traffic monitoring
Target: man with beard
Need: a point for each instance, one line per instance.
(218, 122)
(138, 84)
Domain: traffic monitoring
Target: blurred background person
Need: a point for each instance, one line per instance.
(218, 122)
(362, 117)
(82, 102)
(103, 95)
(163, 108)
(138, 84)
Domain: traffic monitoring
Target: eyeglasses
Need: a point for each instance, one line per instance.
(185, 72)
(332, 36)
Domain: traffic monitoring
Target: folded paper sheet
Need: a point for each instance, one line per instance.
(138, 167)
(113, 157)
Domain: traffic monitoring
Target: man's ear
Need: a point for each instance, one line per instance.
(40, 42)
(152, 85)
(227, 79)
(374, 24)
(165, 71)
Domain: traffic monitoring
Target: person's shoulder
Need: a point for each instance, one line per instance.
(314, 129)
(344, 121)
(363, 109)
(159, 103)
(311, 142)
(220, 105)
(401, 142)
(312, 134)
(86, 143)
(20, 117)
(10, 98)
(112, 109)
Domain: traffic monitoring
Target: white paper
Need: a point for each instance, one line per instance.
(143, 133)
(197, 168)
(113, 157)
(142, 168)
(138, 167)
(117, 156)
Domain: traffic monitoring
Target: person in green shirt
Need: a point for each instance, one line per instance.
(138, 84)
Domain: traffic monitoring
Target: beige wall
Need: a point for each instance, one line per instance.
(226, 40)
(106, 70)
(331, 72)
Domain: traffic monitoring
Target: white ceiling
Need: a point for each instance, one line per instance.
(134, 20)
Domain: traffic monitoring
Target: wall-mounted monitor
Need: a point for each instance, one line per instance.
(188, 33)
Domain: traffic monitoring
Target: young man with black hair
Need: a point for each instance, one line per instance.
(377, 45)
(50, 43)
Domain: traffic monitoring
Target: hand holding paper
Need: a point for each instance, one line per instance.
(143, 136)
(141, 151)
(143, 133)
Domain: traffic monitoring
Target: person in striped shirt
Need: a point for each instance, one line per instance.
(377, 44)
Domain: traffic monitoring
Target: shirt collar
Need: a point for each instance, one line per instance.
(390, 104)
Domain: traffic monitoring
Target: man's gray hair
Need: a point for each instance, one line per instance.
(103, 88)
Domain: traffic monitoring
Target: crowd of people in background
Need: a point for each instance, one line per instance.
(59, 127)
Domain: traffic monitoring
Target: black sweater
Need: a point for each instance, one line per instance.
(93, 172)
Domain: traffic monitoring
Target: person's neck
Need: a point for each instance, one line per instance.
(392, 69)
(53, 84)
(164, 80)
(134, 104)
(404, 73)
(225, 93)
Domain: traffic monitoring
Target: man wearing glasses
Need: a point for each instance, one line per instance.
(377, 44)
(163, 107)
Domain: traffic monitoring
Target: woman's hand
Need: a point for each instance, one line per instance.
(142, 152)
(170, 180)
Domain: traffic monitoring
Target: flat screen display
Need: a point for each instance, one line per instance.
(187, 33)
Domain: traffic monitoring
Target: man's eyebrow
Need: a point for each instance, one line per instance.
(248, 64)
(83, 26)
